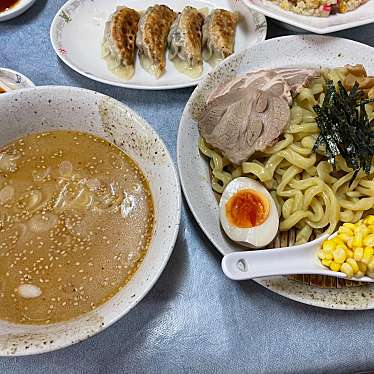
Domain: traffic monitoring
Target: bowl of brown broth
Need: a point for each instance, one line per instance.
(89, 214)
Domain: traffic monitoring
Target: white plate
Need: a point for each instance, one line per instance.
(302, 51)
(14, 79)
(319, 25)
(78, 27)
(16, 10)
(47, 108)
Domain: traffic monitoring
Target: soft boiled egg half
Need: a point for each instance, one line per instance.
(248, 213)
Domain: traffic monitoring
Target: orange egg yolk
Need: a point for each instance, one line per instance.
(247, 208)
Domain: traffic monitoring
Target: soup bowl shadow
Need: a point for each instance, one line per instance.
(48, 108)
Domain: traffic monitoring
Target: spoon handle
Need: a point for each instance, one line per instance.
(300, 259)
(5, 85)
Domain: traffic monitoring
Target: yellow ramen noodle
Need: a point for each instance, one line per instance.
(310, 196)
(76, 219)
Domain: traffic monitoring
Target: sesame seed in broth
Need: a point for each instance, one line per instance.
(76, 219)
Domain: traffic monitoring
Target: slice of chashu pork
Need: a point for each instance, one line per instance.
(151, 39)
(118, 48)
(250, 112)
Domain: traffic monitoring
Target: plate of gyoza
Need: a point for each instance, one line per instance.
(275, 149)
(148, 45)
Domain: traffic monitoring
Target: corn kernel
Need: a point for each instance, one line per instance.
(361, 231)
(349, 253)
(359, 274)
(321, 255)
(356, 243)
(365, 230)
(344, 237)
(369, 241)
(326, 262)
(328, 256)
(368, 254)
(334, 266)
(349, 226)
(328, 245)
(341, 245)
(343, 230)
(338, 241)
(358, 253)
(371, 265)
(363, 267)
(353, 264)
(352, 249)
(347, 269)
(339, 255)
(369, 220)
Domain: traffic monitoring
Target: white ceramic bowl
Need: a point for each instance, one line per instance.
(16, 10)
(51, 108)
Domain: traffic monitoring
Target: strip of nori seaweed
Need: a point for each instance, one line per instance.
(345, 128)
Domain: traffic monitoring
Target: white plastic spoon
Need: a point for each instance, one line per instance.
(11, 80)
(5, 84)
(298, 259)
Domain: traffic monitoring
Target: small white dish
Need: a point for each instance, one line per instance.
(11, 80)
(52, 108)
(290, 51)
(78, 27)
(20, 7)
(363, 15)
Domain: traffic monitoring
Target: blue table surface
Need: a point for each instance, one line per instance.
(194, 320)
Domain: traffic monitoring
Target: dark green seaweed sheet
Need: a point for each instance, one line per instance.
(345, 128)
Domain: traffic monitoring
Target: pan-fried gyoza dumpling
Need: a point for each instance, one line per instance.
(151, 40)
(219, 35)
(185, 42)
(118, 48)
